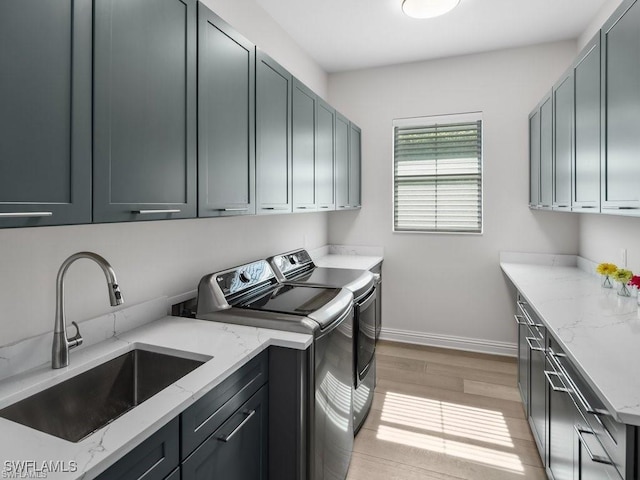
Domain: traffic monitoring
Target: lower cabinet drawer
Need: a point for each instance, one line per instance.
(238, 449)
(205, 416)
(154, 459)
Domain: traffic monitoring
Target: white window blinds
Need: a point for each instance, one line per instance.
(438, 174)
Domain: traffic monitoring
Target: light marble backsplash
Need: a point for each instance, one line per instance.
(33, 352)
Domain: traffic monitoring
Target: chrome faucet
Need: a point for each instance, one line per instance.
(62, 344)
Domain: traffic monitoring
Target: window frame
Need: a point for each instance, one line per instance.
(427, 121)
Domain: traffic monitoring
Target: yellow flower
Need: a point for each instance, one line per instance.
(623, 276)
(606, 269)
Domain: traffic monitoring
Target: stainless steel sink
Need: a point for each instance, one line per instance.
(79, 406)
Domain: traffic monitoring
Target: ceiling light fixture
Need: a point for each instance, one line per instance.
(427, 8)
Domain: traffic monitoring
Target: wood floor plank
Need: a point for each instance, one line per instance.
(447, 382)
(498, 378)
(439, 355)
(368, 467)
(440, 414)
(485, 389)
(506, 407)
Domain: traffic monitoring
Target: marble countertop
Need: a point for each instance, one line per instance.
(228, 347)
(598, 330)
(342, 256)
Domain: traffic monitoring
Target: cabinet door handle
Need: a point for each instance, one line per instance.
(275, 208)
(606, 207)
(324, 206)
(249, 414)
(562, 206)
(549, 374)
(530, 341)
(232, 209)
(148, 212)
(25, 214)
(589, 206)
(594, 458)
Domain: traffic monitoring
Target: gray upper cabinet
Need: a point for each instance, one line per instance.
(144, 110)
(586, 167)
(546, 152)
(273, 136)
(45, 117)
(621, 78)
(342, 162)
(563, 110)
(534, 159)
(304, 148)
(325, 146)
(226, 125)
(355, 163)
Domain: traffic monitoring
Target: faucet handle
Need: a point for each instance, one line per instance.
(76, 340)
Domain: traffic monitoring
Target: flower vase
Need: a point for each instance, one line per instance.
(624, 291)
(606, 282)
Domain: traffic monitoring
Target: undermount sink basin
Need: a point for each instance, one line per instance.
(82, 404)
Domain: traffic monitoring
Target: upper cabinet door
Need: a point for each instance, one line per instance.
(325, 143)
(45, 112)
(563, 109)
(534, 159)
(342, 162)
(304, 147)
(355, 162)
(273, 136)
(586, 169)
(546, 152)
(226, 126)
(144, 110)
(621, 73)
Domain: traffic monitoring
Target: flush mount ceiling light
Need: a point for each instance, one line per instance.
(427, 8)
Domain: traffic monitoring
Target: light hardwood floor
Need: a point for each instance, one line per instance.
(445, 415)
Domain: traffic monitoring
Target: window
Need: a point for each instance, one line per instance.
(437, 174)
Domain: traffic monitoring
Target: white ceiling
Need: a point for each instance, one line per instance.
(351, 34)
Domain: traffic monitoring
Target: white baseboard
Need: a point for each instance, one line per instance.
(447, 341)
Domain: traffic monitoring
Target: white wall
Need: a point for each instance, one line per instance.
(252, 21)
(451, 285)
(603, 14)
(602, 237)
(151, 258)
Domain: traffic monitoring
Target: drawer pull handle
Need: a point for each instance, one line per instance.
(530, 341)
(275, 208)
(324, 206)
(519, 320)
(594, 458)
(606, 207)
(25, 214)
(249, 414)
(149, 212)
(232, 209)
(549, 374)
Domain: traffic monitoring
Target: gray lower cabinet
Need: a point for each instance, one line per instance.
(304, 147)
(621, 77)
(45, 118)
(586, 167)
(524, 355)
(144, 110)
(534, 159)
(563, 128)
(155, 459)
(342, 162)
(562, 419)
(577, 438)
(238, 449)
(325, 154)
(274, 87)
(226, 122)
